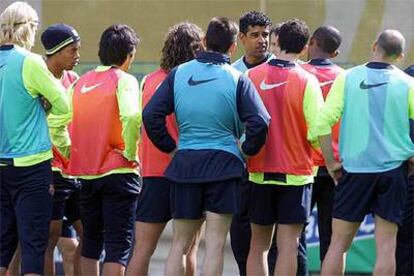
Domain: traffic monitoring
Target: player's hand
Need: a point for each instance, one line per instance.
(239, 145)
(411, 166)
(134, 162)
(45, 103)
(335, 171)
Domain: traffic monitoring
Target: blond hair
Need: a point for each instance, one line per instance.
(18, 25)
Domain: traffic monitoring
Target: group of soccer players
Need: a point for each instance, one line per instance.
(247, 148)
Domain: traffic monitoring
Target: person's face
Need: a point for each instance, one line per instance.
(255, 41)
(273, 45)
(69, 56)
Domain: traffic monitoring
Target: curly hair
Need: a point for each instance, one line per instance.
(253, 18)
(293, 36)
(181, 44)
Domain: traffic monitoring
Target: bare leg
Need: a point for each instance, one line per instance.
(259, 248)
(191, 256)
(287, 240)
(217, 228)
(76, 262)
(89, 267)
(54, 235)
(14, 266)
(386, 243)
(183, 233)
(113, 269)
(146, 239)
(342, 234)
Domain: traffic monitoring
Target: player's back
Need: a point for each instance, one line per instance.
(284, 88)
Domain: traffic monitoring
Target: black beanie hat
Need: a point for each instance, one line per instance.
(58, 36)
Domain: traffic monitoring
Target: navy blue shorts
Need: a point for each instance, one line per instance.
(25, 213)
(72, 206)
(154, 200)
(270, 204)
(383, 194)
(64, 189)
(108, 205)
(191, 200)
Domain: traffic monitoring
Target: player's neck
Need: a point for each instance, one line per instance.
(319, 55)
(254, 60)
(54, 68)
(292, 57)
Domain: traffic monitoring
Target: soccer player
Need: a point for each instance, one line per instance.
(323, 46)
(281, 174)
(209, 99)
(405, 237)
(254, 36)
(62, 44)
(103, 154)
(182, 43)
(375, 102)
(25, 147)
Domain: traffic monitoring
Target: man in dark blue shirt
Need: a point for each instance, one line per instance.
(405, 235)
(211, 101)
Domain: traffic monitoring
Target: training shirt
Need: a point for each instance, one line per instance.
(153, 161)
(210, 99)
(128, 104)
(24, 77)
(376, 103)
(293, 98)
(242, 65)
(326, 72)
(59, 160)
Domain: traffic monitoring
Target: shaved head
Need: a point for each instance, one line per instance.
(391, 42)
(328, 38)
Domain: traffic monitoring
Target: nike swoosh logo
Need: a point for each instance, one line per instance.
(1, 66)
(267, 86)
(86, 89)
(197, 82)
(321, 84)
(363, 85)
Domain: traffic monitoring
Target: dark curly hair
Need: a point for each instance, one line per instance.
(181, 44)
(253, 18)
(293, 36)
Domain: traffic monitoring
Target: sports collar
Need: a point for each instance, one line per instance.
(321, 62)
(213, 57)
(378, 65)
(249, 66)
(6, 47)
(281, 63)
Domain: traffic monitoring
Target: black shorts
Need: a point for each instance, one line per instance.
(270, 204)
(383, 194)
(64, 189)
(108, 205)
(190, 201)
(26, 205)
(154, 200)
